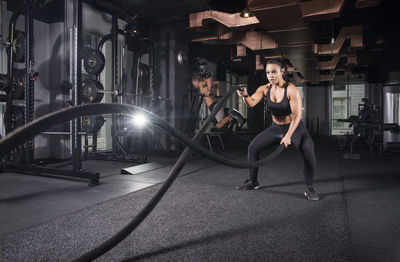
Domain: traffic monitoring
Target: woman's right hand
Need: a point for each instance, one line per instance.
(242, 93)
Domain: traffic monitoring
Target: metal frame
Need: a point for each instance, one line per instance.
(28, 167)
(117, 146)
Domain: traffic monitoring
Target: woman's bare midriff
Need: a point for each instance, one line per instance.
(282, 120)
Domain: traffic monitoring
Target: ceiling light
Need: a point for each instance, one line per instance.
(131, 30)
(246, 13)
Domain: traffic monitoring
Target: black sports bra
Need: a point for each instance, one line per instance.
(282, 108)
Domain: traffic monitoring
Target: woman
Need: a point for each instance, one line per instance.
(284, 102)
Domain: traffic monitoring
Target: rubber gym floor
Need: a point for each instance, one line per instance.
(203, 218)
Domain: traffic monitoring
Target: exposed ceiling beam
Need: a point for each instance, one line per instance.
(321, 9)
(229, 20)
(354, 33)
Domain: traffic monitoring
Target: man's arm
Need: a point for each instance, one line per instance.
(217, 85)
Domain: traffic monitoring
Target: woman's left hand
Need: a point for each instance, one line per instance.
(286, 141)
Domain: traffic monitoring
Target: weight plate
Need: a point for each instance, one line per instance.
(19, 46)
(17, 118)
(92, 124)
(18, 83)
(94, 62)
(90, 91)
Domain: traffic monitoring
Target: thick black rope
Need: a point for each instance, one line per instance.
(45, 122)
(136, 221)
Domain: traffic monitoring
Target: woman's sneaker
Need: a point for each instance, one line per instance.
(248, 184)
(310, 193)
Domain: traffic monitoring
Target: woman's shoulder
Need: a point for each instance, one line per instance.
(292, 89)
(264, 87)
(291, 86)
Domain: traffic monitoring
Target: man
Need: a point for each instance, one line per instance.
(203, 82)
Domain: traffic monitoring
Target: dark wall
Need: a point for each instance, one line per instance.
(174, 84)
(255, 115)
(318, 110)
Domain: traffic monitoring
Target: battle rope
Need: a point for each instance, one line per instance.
(43, 123)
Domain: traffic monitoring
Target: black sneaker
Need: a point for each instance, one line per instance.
(248, 184)
(310, 193)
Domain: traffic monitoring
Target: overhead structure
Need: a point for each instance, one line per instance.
(281, 28)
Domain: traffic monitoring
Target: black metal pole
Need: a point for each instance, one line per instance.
(10, 63)
(29, 84)
(114, 66)
(77, 76)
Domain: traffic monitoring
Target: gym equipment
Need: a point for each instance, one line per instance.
(94, 62)
(368, 127)
(391, 114)
(92, 91)
(5, 83)
(92, 123)
(18, 83)
(45, 122)
(368, 116)
(238, 116)
(19, 45)
(144, 73)
(17, 118)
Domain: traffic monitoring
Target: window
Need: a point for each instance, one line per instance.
(345, 101)
(303, 113)
(339, 111)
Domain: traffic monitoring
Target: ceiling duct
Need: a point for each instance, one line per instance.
(350, 55)
(229, 20)
(322, 9)
(254, 40)
(354, 33)
(258, 40)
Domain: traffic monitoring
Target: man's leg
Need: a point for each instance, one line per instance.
(224, 121)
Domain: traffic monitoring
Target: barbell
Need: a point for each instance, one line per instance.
(92, 91)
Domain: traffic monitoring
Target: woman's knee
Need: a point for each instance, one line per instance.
(253, 149)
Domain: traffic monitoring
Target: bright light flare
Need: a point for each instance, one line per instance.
(139, 120)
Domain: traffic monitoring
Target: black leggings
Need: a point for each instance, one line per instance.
(301, 140)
